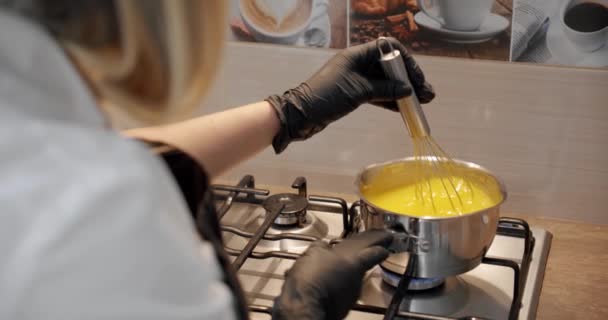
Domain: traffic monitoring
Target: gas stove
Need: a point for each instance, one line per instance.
(265, 234)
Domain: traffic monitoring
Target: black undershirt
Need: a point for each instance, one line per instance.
(194, 185)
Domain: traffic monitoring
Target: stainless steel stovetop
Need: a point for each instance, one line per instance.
(486, 292)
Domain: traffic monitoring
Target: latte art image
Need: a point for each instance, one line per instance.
(277, 10)
(302, 23)
(280, 16)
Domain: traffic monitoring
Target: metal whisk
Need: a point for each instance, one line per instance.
(431, 160)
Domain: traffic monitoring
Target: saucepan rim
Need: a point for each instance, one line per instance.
(467, 164)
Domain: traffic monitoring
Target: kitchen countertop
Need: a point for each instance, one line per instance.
(576, 279)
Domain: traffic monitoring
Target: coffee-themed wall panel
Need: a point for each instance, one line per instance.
(554, 32)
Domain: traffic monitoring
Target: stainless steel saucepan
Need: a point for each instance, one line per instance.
(444, 246)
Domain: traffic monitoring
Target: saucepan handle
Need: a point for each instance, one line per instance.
(401, 240)
(378, 220)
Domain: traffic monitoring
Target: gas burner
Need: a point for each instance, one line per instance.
(294, 205)
(416, 284)
(448, 298)
(292, 220)
(312, 226)
(294, 210)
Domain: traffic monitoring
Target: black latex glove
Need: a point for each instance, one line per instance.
(352, 77)
(325, 282)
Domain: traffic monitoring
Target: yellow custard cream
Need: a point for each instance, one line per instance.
(433, 197)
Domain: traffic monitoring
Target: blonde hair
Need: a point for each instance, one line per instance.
(161, 63)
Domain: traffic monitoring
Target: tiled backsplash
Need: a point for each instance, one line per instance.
(543, 130)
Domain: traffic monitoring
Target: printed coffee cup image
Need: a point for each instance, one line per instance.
(585, 23)
(280, 21)
(461, 15)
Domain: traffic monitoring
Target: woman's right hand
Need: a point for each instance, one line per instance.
(351, 78)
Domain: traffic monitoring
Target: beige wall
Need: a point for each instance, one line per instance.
(543, 130)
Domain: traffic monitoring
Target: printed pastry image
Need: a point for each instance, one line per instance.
(478, 29)
(380, 7)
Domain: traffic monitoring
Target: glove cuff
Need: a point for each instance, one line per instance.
(282, 139)
(291, 109)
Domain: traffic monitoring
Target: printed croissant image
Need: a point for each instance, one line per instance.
(381, 7)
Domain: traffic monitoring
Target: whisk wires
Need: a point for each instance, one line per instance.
(433, 163)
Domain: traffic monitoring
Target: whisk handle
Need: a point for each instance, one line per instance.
(410, 108)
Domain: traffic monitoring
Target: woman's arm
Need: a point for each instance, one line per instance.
(352, 77)
(221, 140)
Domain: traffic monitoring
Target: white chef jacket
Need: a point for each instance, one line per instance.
(92, 226)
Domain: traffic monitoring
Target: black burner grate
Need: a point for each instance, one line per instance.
(245, 192)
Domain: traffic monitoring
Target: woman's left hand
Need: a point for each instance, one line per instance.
(352, 77)
(325, 282)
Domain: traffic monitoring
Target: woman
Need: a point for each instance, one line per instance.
(96, 225)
